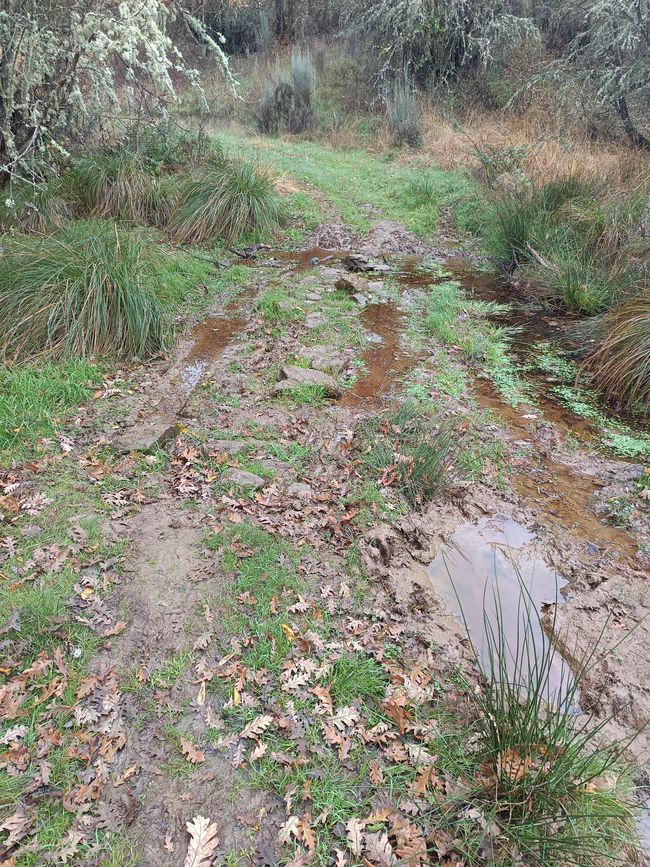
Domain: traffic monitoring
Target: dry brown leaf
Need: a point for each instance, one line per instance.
(128, 773)
(202, 641)
(259, 751)
(169, 845)
(322, 693)
(291, 828)
(379, 850)
(514, 766)
(191, 752)
(17, 826)
(200, 697)
(256, 727)
(376, 774)
(354, 834)
(203, 842)
(307, 832)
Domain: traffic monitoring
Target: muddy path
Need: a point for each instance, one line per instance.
(266, 558)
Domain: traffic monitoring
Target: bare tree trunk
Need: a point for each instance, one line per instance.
(635, 135)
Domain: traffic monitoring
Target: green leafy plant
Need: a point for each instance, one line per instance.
(87, 290)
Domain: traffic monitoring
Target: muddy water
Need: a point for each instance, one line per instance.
(385, 361)
(485, 569)
(208, 339)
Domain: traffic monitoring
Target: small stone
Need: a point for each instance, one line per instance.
(360, 299)
(314, 260)
(376, 285)
(291, 376)
(315, 320)
(146, 436)
(351, 284)
(228, 447)
(313, 296)
(300, 491)
(244, 479)
(323, 358)
(374, 338)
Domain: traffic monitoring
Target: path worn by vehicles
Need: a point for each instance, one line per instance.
(285, 652)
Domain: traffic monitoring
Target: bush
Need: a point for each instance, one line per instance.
(406, 450)
(85, 291)
(287, 104)
(620, 367)
(227, 201)
(404, 118)
(584, 251)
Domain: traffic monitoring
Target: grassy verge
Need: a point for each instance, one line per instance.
(352, 180)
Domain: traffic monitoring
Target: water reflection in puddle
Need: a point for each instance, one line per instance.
(484, 567)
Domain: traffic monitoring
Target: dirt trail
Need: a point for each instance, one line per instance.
(181, 658)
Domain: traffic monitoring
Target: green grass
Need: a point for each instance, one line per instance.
(352, 179)
(408, 450)
(276, 307)
(458, 321)
(227, 201)
(556, 795)
(35, 400)
(85, 291)
(305, 395)
(355, 677)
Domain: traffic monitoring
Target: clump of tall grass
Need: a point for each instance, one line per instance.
(118, 185)
(620, 366)
(549, 789)
(227, 201)
(406, 450)
(583, 249)
(38, 207)
(87, 290)
(404, 116)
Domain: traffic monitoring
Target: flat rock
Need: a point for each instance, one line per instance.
(376, 285)
(291, 376)
(324, 358)
(244, 479)
(300, 491)
(351, 284)
(145, 436)
(360, 299)
(228, 447)
(313, 296)
(315, 320)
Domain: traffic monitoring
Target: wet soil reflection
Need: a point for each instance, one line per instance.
(385, 362)
(483, 571)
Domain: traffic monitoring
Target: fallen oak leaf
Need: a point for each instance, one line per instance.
(256, 727)
(291, 828)
(17, 826)
(354, 833)
(308, 835)
(379, 850)
(191, 752)
(204, 840)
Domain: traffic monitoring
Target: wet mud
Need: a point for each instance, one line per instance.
(386, 362)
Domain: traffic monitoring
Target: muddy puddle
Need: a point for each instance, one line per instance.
(486, 576)
(385, 362)
(207, 341)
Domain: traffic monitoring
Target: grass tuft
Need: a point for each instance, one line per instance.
(227, 201)
(85, 291)
(405, 449)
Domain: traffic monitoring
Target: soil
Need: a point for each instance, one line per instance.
(173, 589)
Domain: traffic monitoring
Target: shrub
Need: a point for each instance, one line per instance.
(406, 450)
(84, 291)
(227, 201)
(404, 118)
(620, 366)
(287, 103)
